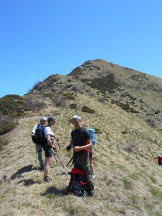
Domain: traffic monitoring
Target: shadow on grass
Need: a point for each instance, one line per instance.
(62, 173)
(52, 191)
(24, 169)
(29, 182)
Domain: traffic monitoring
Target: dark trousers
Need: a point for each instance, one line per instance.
(81, 161)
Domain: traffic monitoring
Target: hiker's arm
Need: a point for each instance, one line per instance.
(49, 141)
(85, 147)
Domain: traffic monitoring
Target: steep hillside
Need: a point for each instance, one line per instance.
(132, 90)
(128, 178)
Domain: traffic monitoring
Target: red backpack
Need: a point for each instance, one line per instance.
(77, 183)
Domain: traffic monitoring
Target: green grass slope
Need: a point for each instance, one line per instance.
(128, 179)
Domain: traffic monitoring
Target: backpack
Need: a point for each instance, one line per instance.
(92, 135)
(34, 139)
(77, 184)
(40, 136)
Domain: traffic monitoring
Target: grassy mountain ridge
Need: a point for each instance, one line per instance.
(132, 90)
(128, 179)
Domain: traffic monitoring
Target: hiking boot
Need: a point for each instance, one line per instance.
(42, 168)
(46, 178)
(90, 193)
(89, 188)
(93, 176)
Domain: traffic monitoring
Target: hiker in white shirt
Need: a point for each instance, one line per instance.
(49, 147)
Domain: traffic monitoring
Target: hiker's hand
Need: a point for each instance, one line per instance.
(76, 148)
(57, 139)
(68, 148)
(54, 147)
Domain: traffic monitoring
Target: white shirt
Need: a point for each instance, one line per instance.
(48, 131)
(37, 126)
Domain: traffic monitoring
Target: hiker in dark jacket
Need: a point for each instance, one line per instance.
(49, 146)
(38, 146)
(81, 143)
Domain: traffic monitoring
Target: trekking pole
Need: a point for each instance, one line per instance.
(72, 159)
(60, 161)
(57, 158)
(61, 154)
(54, 153)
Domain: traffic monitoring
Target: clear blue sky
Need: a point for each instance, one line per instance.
(42, 37)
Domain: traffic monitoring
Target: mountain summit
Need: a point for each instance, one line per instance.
(133, 91)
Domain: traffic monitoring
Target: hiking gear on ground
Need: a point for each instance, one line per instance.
(40, 135)
(77, 184)
(92, 135)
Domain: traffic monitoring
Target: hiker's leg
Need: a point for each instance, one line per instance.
(88, 177)
(91, 167)
(84, 165)
(87, 173)
(91, 162)
(82, 162)
(39, 150)
(48, 155)
(47, 165)
(76, 164)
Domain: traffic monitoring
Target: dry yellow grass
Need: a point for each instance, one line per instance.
(128, 179)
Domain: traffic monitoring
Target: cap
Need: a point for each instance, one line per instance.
(51, 118)
(76, 117)
(43, 118)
